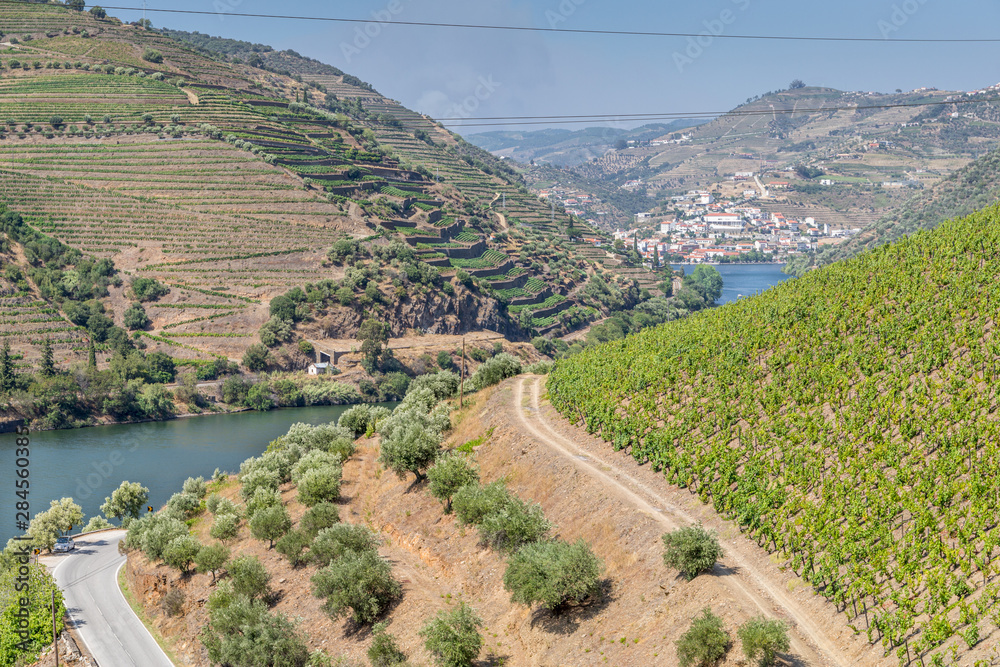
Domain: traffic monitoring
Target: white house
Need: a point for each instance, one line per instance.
(318, 369)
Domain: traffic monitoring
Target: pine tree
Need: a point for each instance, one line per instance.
(6, 369)
(656, 257)
(48, 366)
(92, 356)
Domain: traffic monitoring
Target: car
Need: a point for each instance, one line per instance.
(64, 544)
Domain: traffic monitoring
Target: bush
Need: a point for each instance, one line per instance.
(337, 540)
(153, 532)
(262, 498)
(362, 419)
(319, 485)
(152, 56)
(172, 603)
(292, 546)
(513, 524)
(762, 639)
(496, 370)
(361, 582)
(451, 472)
(554, 573)
(242, 633)
(195, 486)
(225, 527)
(444, 361)
(250, 577)
(692, 550)
(146, 289)
(96, 523)
(472, 502)
(270, 523)
(256, 357)
(384, 652)
(135, 318)
(184, 503)
(275, 331)
(181, 551)
(314, 460)
(211, 558)
(705, 643)
(258, 478)
(452, 637)
(318, 517)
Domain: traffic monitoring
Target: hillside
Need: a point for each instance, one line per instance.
(972, 187)
(229, 179)
(846, 421)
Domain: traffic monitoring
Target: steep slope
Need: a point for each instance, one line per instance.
(846, 421)
(973, 187)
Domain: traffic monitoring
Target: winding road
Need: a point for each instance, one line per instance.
(97, 608)
(747, 583)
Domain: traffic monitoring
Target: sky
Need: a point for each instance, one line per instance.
(463, 73)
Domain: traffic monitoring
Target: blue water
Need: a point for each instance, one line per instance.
(743, 279)
(88, 464)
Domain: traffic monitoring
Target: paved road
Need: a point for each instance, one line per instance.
(98, 610)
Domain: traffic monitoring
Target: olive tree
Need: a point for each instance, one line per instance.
(554, 573)
(705, 643)
(691, 550)
(762, 639)
(453, 638)
(127, 501)
(359, 583)
(450, 473)
(270, 523)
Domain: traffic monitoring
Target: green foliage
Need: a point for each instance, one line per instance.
(60, 518)
(148, 289)
(513, 524)
(135, 317)
(691, 550)
(359, 583)
(15, 648)
(152, 55)
(473, 502)
(319, 485)
(96, 523)
(554, 573)
(181, 552)
(242, 633)
(270, 523)
(256, 357)
(318, 517)
(337, 540)
(153, 532)
(706, 281)
(705, 643)
(763, 639)
(275, 331)
(196, 486)
(450, 473)
(128, 500)
(225, 527)
(374, 336)
(362, 418)
(292, 545)
(211, 558)
(384, 652)
(250, 577)
(259, 396)
(453, 638)
(494, 370)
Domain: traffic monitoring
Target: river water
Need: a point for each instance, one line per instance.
(88, 464)
(741, 280)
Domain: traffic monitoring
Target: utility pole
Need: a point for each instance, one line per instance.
(55, 635)
(461, 386)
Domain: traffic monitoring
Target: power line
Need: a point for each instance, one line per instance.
(578, 31)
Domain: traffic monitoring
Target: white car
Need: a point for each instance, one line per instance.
(63, 544)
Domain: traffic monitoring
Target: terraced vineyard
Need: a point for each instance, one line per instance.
(846, 421)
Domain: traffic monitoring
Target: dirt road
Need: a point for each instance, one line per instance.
(740, 570)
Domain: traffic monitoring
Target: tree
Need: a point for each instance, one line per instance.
(126, 501)
(282, 307)
(361, 583)
(384, 652)
(250, 577)
(76, 5)
(17, 648)
(555, 573)
(152, 56)
(318, 517)
(413, 449)
(259, 397)
(91, 354)
(513, 524)
(705, 643)
(148, 289)
(374, 335)
(270, 523)
(762, 639)
(707, 281)
(60, 518)
(211, 558)
(135, 318)
(453, 638)
(6, 368)
(337, 540)
(451, 472)
(242, 633)
(692, 550)
(225, 527)
(275, 331)
(47, 366)
(444, 360)
(292, 546)
(181, 552)
(98, 12)
(796, 84)
(319, 485)
(256, 357)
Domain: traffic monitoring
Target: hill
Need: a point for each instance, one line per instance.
(846, 421)
(228, 180)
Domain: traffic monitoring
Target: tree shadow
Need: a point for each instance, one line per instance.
(492, 660)
(565, 620)
(791, 660)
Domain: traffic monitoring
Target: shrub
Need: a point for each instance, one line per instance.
(473, 502)
(225, 527)
(184, 503)
(705, 643)
(513, 524)
(96, 523)
(211, 558)
(361, 582)
(444, 360)
(145, 289)
(152, 56)
(241, 632)
(196, 486)
(292, 546)
(384, 652)
(275, 331)
(318, 517)
(554, 573)
(154, 532)
(135, 318)
(270, 523)
(313, 460)
(452, 637)
(450, 473)
(181, 551)
(692, 550)
(262, 499)
(334, 542)
(172, 603)
(250, 577)
(496, 370)
(362, 418)
(762, 639)
(319, 485)
(258, 478)
(256, 357)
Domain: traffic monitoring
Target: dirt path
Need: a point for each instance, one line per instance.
(739, 571)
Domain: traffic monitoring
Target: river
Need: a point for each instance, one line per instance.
(739, 280)
(89, 463)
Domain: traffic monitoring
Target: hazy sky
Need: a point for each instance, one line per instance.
(475, 73)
